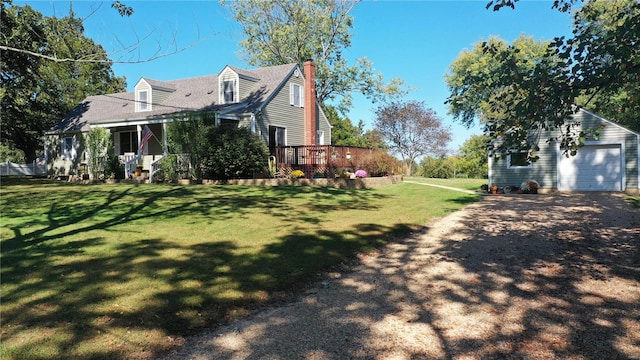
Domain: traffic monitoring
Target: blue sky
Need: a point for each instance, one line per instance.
(412, 40)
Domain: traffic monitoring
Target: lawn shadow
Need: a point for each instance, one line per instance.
(61, 299)
(513, 277)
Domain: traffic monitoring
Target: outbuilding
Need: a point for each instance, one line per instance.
(609, 163)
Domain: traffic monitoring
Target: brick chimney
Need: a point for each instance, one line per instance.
(310, 110)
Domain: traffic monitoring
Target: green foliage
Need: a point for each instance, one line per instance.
(438, 167)
(473, 157)
(9, 153)
(169, 169)
(191, 136)
(113, 169)
(518, 91)
(37, 91)
(284, 32)
(343, 132)
(98, 142)
(411, 130)
(603, 58)
(234, 153)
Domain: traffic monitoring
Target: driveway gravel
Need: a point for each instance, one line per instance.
(553, 276)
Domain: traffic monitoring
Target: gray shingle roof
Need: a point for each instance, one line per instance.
(193, 94)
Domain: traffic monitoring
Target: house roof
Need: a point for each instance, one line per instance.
(185, 95)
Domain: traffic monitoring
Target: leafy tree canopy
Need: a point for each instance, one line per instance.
(35, 93)
(282, 32)
(517, 90)
(411, 130)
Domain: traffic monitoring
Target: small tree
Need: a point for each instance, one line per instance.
(98, 143)
(411, 130)
(190, 136)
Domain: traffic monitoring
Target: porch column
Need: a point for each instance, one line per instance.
(139, 130)
(165, 148)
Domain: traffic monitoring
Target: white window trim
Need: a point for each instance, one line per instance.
(509, 166)
(139, 102)
(292, 99)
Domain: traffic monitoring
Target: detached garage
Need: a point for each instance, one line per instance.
(608, 164)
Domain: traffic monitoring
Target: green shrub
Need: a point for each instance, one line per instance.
(9, 153)
(234, 153)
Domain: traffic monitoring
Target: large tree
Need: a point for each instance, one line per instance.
(36, 92)
(598, 69)
(515, 90)
(411, 130)
(290, 31)
(604, 59)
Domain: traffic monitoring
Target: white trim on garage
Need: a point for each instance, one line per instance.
(612, 175)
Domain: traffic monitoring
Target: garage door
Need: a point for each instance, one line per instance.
(594, 168)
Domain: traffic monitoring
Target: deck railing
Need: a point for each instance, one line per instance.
(313, 159)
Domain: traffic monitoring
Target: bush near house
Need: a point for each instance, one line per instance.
(234, 153)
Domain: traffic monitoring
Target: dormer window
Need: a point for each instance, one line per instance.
(143, 101)
(229, 90)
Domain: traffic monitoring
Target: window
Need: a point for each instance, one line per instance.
(143, 101)
(295, 95)
(518, 160)
(128, 142)
(277, 136)
(320, 137)
(229, 90)
(67, 150)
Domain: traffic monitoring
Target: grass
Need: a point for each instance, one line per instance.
(633, 200)
(121, 271)
(467, 184)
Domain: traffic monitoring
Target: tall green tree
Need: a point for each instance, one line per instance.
(603, 57)
(473, 157)
(598, 69)
(411, 130)
(343, 132)
(290, 31)
(36, 92)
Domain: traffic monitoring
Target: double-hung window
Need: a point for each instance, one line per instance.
(143, 101)
(229, 90)
(296, 96)
(67, 150)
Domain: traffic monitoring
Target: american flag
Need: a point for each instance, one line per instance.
(146, 136)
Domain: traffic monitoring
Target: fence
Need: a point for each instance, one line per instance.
(12, 169)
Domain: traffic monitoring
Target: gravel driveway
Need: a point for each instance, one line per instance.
(516, 277)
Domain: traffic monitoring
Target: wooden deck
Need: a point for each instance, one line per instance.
(322, 160)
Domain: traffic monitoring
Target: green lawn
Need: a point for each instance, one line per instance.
(468, 184)
(118, 271)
